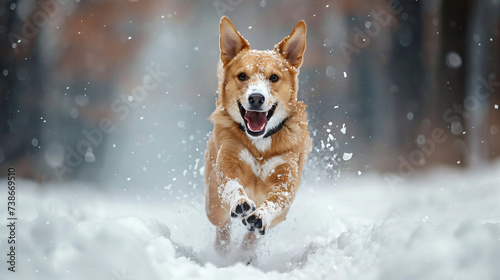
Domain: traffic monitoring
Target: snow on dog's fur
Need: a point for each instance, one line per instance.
(260, 142)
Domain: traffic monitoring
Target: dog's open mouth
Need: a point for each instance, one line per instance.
(256, 121)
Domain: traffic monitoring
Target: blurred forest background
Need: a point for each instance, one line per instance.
(119, 92)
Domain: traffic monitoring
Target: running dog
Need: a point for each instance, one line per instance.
(260, 142)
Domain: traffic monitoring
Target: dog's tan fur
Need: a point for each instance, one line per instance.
(265, 172)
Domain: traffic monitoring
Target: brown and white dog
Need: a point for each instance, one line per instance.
(260, 141)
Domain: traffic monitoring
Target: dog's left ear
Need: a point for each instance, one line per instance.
(292, 47)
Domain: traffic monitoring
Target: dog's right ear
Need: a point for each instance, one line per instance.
(231, 42)
(292, 48)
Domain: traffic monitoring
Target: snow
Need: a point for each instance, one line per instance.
(453, 60)
(89, 155)
(347, 156)
(409, 116)
(330, 71)
(343, 129)
(443, 225)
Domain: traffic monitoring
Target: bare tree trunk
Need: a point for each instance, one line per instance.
(479, 82)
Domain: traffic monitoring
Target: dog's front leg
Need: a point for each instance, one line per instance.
(285, 180)
(231, 193)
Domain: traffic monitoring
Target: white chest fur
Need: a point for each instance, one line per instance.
(262, 144)
(261, 169)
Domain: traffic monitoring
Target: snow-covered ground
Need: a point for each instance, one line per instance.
(443, 225)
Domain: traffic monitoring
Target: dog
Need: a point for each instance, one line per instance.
(260, 141)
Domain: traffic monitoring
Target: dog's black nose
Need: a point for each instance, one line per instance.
(256, 100)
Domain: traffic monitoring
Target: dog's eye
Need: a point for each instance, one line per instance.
(273, 78)
(242, 76)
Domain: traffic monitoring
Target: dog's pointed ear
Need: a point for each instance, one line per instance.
(292, 48)
(231, 42)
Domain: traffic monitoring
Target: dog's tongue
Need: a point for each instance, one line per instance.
(256, 120)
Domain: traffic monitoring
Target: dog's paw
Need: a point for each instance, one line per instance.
(257, 221)
(242, 208)
(248, 258)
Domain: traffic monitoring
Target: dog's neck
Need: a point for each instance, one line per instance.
(276, 129)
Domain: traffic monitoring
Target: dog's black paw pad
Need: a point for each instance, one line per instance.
(254, 223)
(251, 219)
(239, 209)
(243, 208)
(246, 206)
(258, 223)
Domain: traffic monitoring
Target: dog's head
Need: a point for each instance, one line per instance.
(259, 88)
